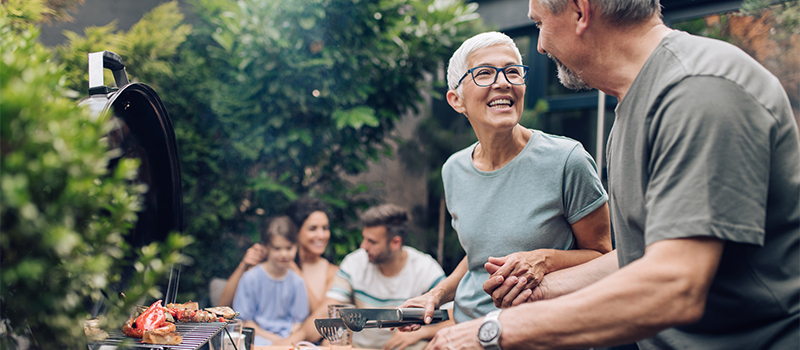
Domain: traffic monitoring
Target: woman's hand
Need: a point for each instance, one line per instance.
(429, 301)
(255, 255)
(513, 277)
(444, 292)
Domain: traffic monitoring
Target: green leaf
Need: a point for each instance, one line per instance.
(307, 23)
(355, 118)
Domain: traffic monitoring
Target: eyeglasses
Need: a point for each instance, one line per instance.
(487, 75)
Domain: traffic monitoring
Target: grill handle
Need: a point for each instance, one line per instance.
(415, 314)
(105, 60)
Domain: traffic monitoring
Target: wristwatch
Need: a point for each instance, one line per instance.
(489, 333)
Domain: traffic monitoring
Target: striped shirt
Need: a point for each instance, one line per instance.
(361, 283)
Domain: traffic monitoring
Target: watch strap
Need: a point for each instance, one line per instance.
(492, 315)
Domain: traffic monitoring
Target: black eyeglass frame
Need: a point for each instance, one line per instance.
(525, 70)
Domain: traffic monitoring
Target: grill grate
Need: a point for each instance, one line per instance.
(194, 336)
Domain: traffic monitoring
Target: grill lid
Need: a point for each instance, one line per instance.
(141, 129)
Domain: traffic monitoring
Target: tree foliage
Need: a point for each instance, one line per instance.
(60, 9)
(275, 99)
(147, 47)
(39, 11)
(64, 216)
(298, 93)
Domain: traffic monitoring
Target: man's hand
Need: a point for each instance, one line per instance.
(513, 277)
(429, 301)
(401, 340)
(461, 336)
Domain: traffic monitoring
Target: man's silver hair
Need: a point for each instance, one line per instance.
(458, 62)
(614, 11)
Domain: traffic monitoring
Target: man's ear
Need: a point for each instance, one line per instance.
(455, 101)
(396, 242)
(583, 15)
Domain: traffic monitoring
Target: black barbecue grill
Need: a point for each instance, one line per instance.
(142, 129)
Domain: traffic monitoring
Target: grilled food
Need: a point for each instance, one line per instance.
(155, 337)
(191, 305)
(92, 330)
(187, 315)
(222, 311)
(153, 319)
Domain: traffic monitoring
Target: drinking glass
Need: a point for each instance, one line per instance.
(345, 335)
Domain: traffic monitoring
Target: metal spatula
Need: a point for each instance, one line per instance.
(330, 328)
(356, 319)
(333, 328)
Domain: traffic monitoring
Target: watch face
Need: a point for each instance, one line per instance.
(488, 331)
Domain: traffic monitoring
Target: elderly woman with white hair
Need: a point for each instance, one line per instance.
(524, 203)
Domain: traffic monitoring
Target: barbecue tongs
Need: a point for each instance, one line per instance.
(358, 319)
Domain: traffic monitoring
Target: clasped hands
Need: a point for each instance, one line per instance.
(513, 278)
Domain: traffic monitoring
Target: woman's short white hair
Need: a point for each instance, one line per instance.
(458, 63)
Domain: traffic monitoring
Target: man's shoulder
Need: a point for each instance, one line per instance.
(416, 254)
(421, 261)
(356, 259)
(686, 55)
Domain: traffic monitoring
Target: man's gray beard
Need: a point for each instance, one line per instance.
(568, 78)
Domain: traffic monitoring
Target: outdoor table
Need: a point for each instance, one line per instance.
(287, 347)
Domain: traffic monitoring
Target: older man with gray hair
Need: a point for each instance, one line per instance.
(704, 183)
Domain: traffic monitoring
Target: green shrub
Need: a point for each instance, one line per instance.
(274, 99)
(147, 48)
(63, 216)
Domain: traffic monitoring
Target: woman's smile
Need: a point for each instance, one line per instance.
(501, 103)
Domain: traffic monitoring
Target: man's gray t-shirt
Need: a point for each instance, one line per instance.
(705, 144)
(530, 203)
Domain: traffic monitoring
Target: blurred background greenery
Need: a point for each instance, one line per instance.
(273, 100)
(63, 216)
(270, 101)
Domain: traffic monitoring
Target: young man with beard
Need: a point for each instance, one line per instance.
(704, 183)
(383, 274)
